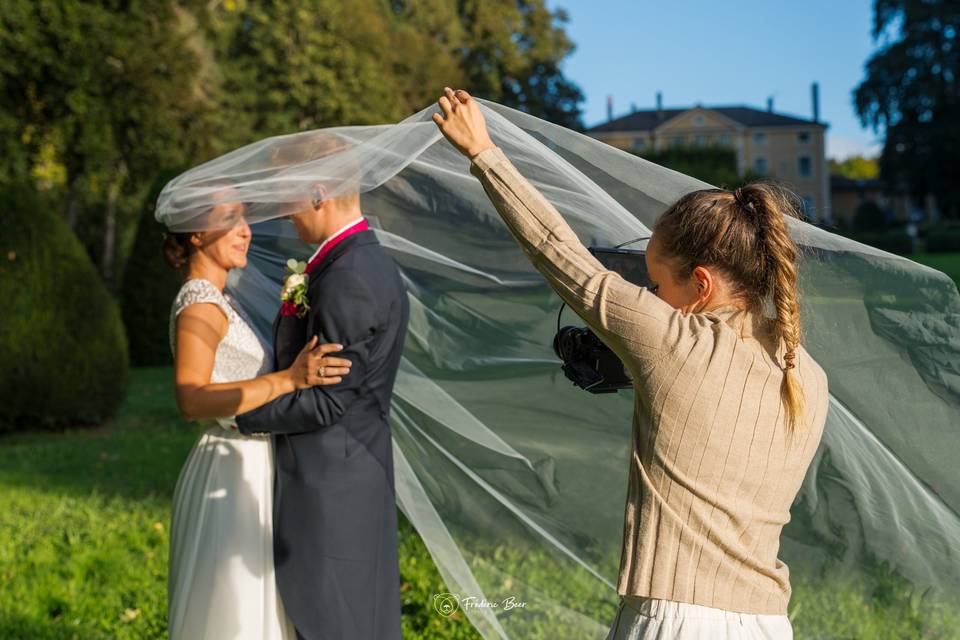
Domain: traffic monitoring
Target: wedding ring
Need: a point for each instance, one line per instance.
(320, 371)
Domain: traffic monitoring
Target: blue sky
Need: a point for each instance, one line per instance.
(724, 53)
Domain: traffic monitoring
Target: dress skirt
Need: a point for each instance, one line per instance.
(650, 618)
(221, 581)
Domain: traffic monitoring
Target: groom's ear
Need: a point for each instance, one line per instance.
(318, 195)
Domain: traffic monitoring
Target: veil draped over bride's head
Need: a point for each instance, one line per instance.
(515, 479)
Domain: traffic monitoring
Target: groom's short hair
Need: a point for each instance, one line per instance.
(309, 154)
(307, 146)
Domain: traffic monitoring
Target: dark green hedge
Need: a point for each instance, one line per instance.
(869, 217)
(942, 237)
(63, 353)
(148, 288)
(893, 240)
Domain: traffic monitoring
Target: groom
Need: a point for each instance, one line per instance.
(335, 521)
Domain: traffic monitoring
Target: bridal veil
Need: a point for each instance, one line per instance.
(514, 478)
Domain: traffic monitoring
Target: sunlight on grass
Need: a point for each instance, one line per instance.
(84, 522)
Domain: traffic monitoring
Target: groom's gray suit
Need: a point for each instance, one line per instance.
(335, 522)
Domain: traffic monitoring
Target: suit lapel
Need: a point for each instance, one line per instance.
(318, 273)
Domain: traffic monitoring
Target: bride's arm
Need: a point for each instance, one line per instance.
(200, 328)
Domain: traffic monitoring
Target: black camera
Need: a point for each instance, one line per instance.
(587, 361)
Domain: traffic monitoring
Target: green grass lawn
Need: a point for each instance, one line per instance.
(84, 520)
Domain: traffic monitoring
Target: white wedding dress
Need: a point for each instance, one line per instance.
(221, 580)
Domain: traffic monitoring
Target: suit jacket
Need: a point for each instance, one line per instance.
(335, 522)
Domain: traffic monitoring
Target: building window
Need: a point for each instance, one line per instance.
(725, 140)
(759, 138)
(638, 144)
(676, 141)
(805, 166)
(700, 141)
(803, 137)
(760, 165)
(698, 120)
(807, 206)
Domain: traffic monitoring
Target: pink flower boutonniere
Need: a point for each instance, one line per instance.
(293, 295)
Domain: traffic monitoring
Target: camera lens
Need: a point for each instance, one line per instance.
(568, 342)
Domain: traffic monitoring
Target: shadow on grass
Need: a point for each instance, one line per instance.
(138, 453)
(17, 627)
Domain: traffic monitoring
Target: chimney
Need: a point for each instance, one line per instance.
(659, 105)
(609, 108)
(770, 104)
(633, 107)
(815, 95)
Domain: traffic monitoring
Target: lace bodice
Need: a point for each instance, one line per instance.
(240, 355)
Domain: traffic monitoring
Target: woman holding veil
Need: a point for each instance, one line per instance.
(717, 385)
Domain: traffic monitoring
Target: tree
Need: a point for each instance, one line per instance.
(856, 168)
(714, 165)
(148, 288)
(512, 54)
(288, 67)
(97, 96)
(911, 91)
(285, 67)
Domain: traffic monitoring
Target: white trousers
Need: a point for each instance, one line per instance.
(653, 619)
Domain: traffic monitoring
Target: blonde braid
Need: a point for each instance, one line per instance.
(781, 254)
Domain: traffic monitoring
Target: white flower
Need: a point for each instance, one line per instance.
(292, 282)
(294, 288)
(296, 280)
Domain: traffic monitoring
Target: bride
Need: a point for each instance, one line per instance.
(221, 581)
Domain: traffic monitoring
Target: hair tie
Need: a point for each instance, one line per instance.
(790, 356)
(760, 222)
(743, 201)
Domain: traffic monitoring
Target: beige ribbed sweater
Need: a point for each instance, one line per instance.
(711, 477)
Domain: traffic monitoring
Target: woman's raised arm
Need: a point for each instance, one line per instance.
(620, 312)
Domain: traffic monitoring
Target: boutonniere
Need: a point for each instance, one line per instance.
(293, 295)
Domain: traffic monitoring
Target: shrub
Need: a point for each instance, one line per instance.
(943, 237)
(148, 288)
(63, 354)
(893, 240)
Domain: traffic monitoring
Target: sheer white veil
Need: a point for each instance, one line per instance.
(515, 479)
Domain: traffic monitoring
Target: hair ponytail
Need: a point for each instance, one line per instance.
(744, 234)
(780, 252)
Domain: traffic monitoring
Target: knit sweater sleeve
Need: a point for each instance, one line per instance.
(630, 319)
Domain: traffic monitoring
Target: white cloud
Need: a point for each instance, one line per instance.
(842, 147)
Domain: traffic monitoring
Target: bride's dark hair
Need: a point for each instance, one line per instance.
(744, 234)
(177, 249)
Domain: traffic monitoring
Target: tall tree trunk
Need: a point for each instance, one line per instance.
(110, 224)
(72, 204)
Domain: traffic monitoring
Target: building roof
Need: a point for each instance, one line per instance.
(650, 119)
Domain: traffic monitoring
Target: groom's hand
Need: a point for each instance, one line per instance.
(462, 123)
